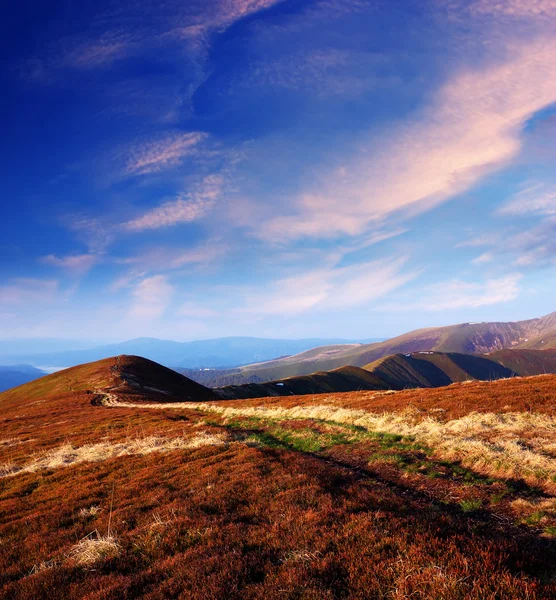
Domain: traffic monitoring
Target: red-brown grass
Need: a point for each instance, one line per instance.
(287, 509)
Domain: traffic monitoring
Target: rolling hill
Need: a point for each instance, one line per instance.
(402, 371)
(477, 338)
(430, 493)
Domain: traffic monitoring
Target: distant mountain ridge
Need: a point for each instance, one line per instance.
(401, 371)
(470, 338)
(141, 379)
(214, 353)
(15, 375)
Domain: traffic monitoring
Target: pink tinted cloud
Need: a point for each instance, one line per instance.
(156, 155)
(472, 128)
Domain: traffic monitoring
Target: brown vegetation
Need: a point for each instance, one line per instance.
(333, 496)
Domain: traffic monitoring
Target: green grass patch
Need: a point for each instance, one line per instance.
(470, 505)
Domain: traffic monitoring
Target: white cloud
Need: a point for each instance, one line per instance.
(459, 294)
(472, 128)
(484, 258)
(329, 288)
(185, 209)
(156, 155)
(76, 263)
(151, 298)
(99, 52)
(158, 259)
(23, 291)
(535, 200)
(513, 8)
(170, 213)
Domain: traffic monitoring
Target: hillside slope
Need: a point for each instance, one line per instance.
(477, 338)
(344, 379)
(131, 376)
(431, 493)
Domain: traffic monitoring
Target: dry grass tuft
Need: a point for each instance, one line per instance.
(94, 548)
(68, 455)
(91, 511)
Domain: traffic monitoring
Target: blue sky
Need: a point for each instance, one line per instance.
(276, 168)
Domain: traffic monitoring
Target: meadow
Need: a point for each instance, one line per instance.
(446, 493)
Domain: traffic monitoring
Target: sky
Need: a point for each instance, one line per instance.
(275, 168)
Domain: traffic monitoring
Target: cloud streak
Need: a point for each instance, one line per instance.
(185, 209)
(472, 128)
(76, 263)
(535, 200)
(329, 288)
(157, 155)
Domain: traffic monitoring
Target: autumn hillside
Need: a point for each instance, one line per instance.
(120, 479)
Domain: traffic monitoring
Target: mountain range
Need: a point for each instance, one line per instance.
(214, 353)
(465, 338)
(14, 375)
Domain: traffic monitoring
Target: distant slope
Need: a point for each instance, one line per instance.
(220, 352)
(344, 379)
(14, 375)
(435, 369)
(477, 338)
(527, 362)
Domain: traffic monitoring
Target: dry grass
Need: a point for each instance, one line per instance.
(328, 504)
(93, 549)
(519, 445)
(68, 455)
(91, 511)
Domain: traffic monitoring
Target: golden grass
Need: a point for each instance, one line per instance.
(68, 455)
(516, 444)
(94, 548)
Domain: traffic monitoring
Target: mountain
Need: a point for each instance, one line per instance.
(219, 352)
(14, 375)
(401, 371)
(463, 338)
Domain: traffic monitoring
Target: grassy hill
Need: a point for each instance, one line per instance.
(426, 493)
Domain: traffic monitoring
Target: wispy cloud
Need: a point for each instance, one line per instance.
(100, 52)
(328, 71)
(76, 263)
(190, 207)
(164, 259)
(535, 200)
(512, 8)
(163, 153)
(472, 128)
(329, 288)
(151, 298)
(459, 294)
(23, 291)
